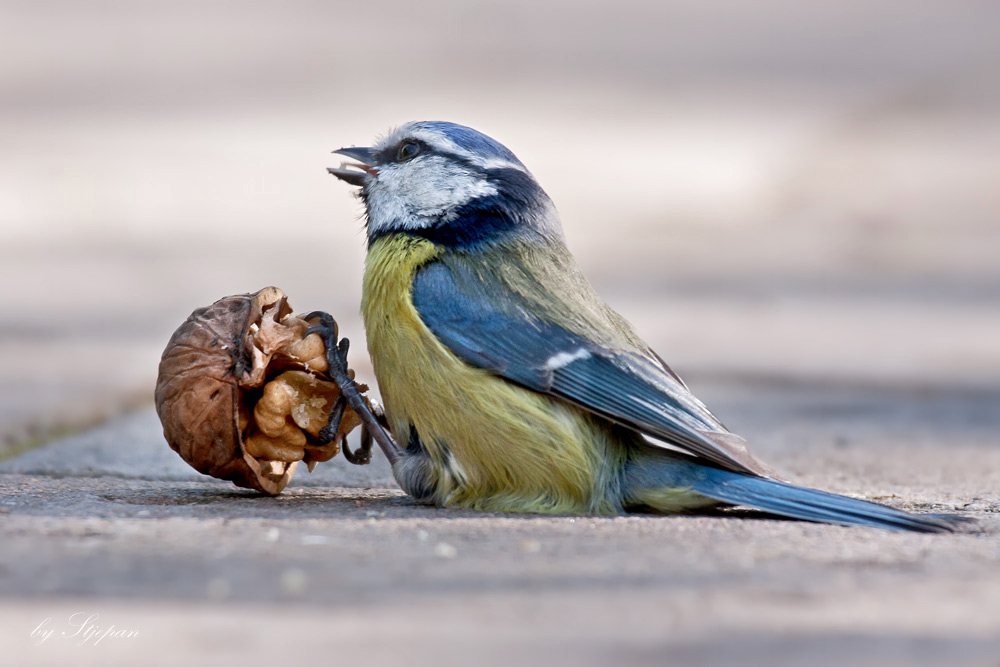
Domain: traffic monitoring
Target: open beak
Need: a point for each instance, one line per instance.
(356, 173)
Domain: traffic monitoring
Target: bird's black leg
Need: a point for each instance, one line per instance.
(366, 434)
(364, 453)
(363, 456)
(336, 358)
(329, 432)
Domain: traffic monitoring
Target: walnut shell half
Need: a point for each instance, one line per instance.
(242, 395)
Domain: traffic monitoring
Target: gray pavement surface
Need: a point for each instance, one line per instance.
(158, 158)
(342, 565)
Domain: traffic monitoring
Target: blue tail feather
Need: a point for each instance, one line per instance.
(811, 505)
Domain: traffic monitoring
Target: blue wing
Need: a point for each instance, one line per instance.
(494, 328)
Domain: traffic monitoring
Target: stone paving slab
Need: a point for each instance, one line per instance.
(343, 566)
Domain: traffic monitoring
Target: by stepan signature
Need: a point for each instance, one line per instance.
(81, 627)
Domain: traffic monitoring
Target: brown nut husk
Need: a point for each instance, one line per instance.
(242, 395)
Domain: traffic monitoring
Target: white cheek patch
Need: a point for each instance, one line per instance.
(416, 194)
(436, 185)
(557, 361)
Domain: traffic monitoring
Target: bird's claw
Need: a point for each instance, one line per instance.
(336, 352)
(363, 455)
(325, 319)
(372, 425)
(329, 432)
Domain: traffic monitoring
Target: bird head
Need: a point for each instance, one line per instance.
(449, 183)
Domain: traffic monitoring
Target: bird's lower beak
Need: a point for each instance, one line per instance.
(356, 173)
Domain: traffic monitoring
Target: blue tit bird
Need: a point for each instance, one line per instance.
(507, 382)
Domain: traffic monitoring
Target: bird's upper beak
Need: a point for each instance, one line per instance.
(356, 173)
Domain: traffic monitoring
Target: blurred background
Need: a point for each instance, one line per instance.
(769, 190)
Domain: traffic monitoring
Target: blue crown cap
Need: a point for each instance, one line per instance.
(471, 140)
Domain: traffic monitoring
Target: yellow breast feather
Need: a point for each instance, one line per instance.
(479, 431)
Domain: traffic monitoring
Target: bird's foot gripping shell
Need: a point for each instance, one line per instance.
(373, 423)
(244, 393)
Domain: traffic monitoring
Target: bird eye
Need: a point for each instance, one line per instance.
(407, 150)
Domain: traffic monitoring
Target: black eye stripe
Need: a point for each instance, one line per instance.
(392, 154)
